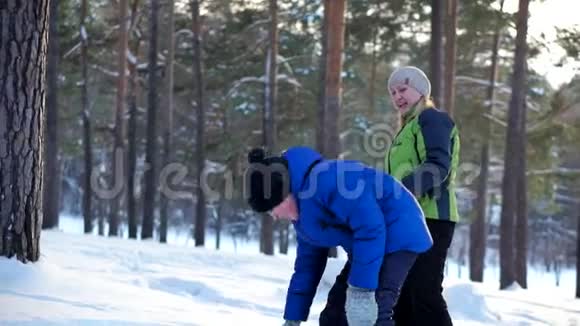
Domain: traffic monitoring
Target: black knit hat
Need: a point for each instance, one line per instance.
(267, 180)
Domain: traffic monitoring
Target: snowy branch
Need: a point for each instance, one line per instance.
(72, 50)
(563, 172)
(496, 120)
(262, 80)
(106, 71)
(501, 87)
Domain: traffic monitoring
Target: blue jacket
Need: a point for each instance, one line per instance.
(345, 203)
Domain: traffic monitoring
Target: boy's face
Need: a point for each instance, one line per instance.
(286, 210)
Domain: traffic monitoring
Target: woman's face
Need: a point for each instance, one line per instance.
(404, 97)
(286, 210)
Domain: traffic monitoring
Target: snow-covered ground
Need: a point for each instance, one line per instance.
(92, 280)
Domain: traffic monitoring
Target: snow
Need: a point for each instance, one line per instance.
(92, 280)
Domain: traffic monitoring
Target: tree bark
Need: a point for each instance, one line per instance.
(284, 237)
(167, 140)
(132, 131)
(373, 82)
(478, 234)
(118, 153)
(269, 118)
(375, 56)
(200, 212)
(320, 112)
(450, 56)
(150, 193)
(333, 91)
(512, 164)
(333, 85)
(578, 254)
(51, 191)
(101, 210)
(436, 61)
(521, 248)
(85, 114)
(23, 54)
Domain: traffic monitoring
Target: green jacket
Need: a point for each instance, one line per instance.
(424, 156)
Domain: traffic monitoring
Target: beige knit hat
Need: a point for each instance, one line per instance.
(413, 77)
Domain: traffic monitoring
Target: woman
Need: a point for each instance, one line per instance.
(424, 157)
(340, 203)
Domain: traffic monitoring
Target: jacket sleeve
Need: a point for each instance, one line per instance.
(366, 221)
(436, 128)
(308, 269)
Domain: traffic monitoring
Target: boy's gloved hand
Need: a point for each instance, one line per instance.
(291, 323)
(361, 307)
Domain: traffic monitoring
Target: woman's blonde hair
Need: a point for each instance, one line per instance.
(429, 102)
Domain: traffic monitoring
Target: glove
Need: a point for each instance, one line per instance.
(291, 323)
(361, 307)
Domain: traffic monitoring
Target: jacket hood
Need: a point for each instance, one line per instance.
(300, 159)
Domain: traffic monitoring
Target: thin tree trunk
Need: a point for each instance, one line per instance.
(200, 212)
(450, 55)
(320, 112)
(284, 237)
(512, 165)
(372, 99)
(132, 131)
(102, 211)
(150, 193)
(119, 141)
(521, 248)
(219, 222)
(87, 134)
(269, 117)
(478, 234)
(333, 91)
(374, 59)
(51, 192)
(167, 141)
(436, 61)
(578, 254)
(23, 53)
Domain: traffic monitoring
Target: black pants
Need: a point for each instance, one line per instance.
(421, 302)
(394, 270)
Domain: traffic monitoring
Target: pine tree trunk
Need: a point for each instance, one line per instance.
(436, 60)
(374, 58)
(320, 112)
(284, 237)
(150, 191)
(521, 248)
(51, 191)
(167, 141)
(333, 85)
(118, 153)
(132, 132)
(578, 254)
(372, 96)
(87, 139)
(333, 92)
(102, 211)
(23, 54)
(450, 55)
(200, 211)
(478, 234)
(513, 164)
(269, 118)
